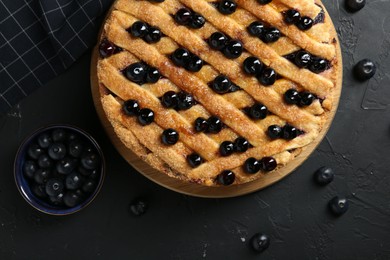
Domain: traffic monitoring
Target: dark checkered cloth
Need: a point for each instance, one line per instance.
(39, 39)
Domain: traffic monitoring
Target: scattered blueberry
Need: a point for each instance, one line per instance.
(227, 6)
(252, 165)
(252, 66)
(274, 131)
(364, 69)
(218, 41)
(226, 178)
(268, 163)
(138, 207)
(194, 160)
(201, 124)
(324, 175)
(170, 136)
(226, 148)
(355, 5)
(260, 242)
(258, 111)
(338, 205)
(291, 16)
(221, 84)
(145, 116)
(233, 49)
(267, 77)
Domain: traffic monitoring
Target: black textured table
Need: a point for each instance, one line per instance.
(293, 212)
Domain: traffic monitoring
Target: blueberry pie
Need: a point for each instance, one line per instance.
(218, 92)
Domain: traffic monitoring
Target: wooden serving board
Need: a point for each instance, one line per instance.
(196, 189)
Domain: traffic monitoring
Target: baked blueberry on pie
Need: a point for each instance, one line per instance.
(218, 92)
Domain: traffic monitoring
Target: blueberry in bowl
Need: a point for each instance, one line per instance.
(59, 169)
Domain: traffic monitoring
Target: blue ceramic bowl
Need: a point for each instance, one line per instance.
(23, 184)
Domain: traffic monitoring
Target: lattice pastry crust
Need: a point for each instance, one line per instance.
(232, 107)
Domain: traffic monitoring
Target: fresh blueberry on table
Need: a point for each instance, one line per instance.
(260, 242)
(338, 205)
(138, 207)
(324, 175)
(364, 69)
(354, 5)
